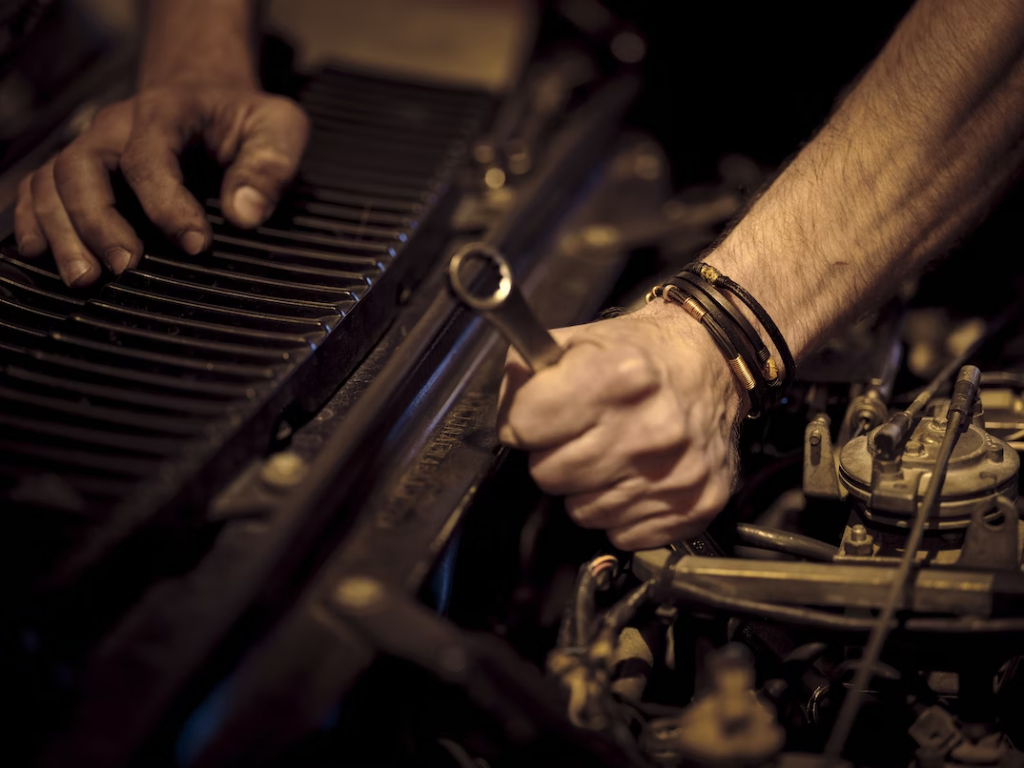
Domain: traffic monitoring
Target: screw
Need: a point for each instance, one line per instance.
(914, 448)
(858, 534)
(815, 438)
(283, 470)
(359, 593)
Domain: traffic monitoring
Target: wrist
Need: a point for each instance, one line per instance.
(769, 291)
(191, 43)
(689, 348)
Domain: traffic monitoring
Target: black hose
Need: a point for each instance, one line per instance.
(805, 617)
(620, 614)
(581, 620)
(782, 541)
(815, 619)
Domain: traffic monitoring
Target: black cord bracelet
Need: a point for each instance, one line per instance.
(769, 370)
(690, 286)
(734, 359)
(724, 282)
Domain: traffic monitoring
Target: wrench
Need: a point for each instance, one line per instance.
(506, 309)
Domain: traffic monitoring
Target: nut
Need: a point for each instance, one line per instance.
(859, 542)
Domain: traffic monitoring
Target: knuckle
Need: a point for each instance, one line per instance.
(632, 373)
(547, 479)
(291, 110)
(25, 187)
(66, 163)
(43, 203)
(667, 433)
(585, 511)
(622, 539)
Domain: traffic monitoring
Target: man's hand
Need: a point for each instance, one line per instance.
(634, 425)
(68, 204)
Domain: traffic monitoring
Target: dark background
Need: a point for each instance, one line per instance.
(755, 78)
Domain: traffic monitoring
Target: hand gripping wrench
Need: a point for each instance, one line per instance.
(506, 308)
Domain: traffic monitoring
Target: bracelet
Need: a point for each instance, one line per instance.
(716, 278)
(766, 364)
(749, 381)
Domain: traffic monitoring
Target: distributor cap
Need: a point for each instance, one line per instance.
(982, 467)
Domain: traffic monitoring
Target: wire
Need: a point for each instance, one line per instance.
(783, 541)
(855, 698)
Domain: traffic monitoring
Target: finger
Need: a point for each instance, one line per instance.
(630, 501)
(272, 141)
(655, 531)
(76, 264)
(517, 373)
(82, 175)
(151, 167)
(622, 441)
(561, 402)
(27, 232)
(652, 525)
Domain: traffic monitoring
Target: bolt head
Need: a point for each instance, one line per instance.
(914, 448)
(283, 470)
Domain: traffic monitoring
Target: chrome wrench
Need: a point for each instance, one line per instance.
(506, 308)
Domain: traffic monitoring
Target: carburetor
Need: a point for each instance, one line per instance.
(887, 491)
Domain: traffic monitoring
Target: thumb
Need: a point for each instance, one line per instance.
(272, 140)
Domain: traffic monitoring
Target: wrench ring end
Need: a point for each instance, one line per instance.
(487, 253)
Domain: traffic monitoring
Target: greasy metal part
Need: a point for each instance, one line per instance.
(858, 542)
(819, 479)
(868, 409)
(333, 657)
(489, 671)
(505, 308)
(1004, 413)
(965, 392)
(993, 546)
(785, 542)
(890, 436)
(939, 590)
(283, 470)
(982, 467)
(633, 661)
(728, 725)
(942, 741)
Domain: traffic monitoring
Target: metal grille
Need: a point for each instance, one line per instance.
(141, 396)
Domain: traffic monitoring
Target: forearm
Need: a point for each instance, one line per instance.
(190, 41)
(912, 157)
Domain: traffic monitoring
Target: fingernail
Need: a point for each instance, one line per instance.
(118, 259)
(193, 242)
(250, 206)
(31, 246)
(75, 271)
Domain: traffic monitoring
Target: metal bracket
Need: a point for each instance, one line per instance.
(820, 478)
(992, 547)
